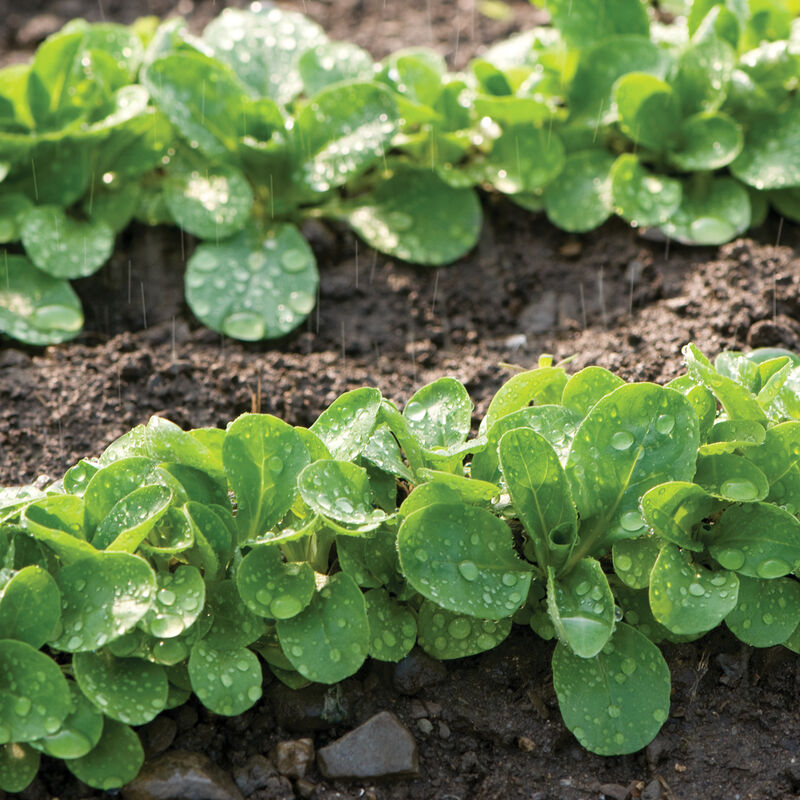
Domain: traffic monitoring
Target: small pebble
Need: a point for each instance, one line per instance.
(425, 725)
(444, 731)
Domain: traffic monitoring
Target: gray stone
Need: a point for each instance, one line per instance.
(256, 772)
(293, 757)
(181, 775)
(653, 791)
(380, 748)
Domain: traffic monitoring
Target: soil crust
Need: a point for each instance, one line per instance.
(492, 727)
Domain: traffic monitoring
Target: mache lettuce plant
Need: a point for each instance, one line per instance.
(239, 135)
(607, 516)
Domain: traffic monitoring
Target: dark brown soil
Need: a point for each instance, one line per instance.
(609, 298)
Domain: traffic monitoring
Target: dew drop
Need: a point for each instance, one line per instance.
(696, 590)
(294, 260)
(665, 423)
(772, 568)
(739, 489)
(622, 440)
(285, 607)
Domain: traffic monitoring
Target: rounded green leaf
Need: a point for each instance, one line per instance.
(674, 509)
(102, 597)
(179, 600)
(540, 386)
(383, 452)
(115, 760)
(524, 159)
(462, 558)
(579, 199)
(226, 681)
(234, 624)
(34, 695)
(112, 483)
(58, 522)
(633, 560)
(342, 131)
(616, 702)
(62, 246)
(711, 216)
(128, 690)
(767, 612)
(332, 62)
(340, 491)
(770, 158)
(445, 634)
(392, 627)
(13, 207)
(263, 457)
(707, 141)
(271, 588)
(19, 764)
(415, 216)
(263, 45)
(687, 598)
(639, 196)
(635, 438)
(213, 203)
(584, 22)
(346, 425)
(440, 414)
(35, 307)
(30, 607)
(703, 74)
(329, 640)
(731, 477)
(581, 607)
(259, 284)
(759, 540)
(80, 731)
(132, 518)
(647, 108)
(586, 387)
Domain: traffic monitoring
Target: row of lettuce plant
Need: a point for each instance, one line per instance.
(606, 515)
(238, 135)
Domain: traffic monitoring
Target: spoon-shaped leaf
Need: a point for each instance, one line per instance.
(446, 634)
(115, 760)
(227, 681)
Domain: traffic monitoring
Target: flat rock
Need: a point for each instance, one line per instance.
(181, 775)
(380, 748)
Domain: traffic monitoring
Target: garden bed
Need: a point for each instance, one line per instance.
(488, 726)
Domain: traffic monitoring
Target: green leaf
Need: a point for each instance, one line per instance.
(60, 171)
(35, 307)
(30, 607)
(445, 634)
(674, 510)
(712, 215)
(415, 216)
(779, 459)
(540, 494)
(346, 425)
(19, 764)
(114, 482)
(213, 203)
(259, 284)
(463, 559)
(731, 477)
(80, 731)
(383, 452)
(703, 74)
(685, 596)
(730, 435)
(640, 197)
(635, 438)
(235, 625)
(540, 386)
(128, 690)
(271, 588)
(768, 611)
(585, 388)
(758, 540)
(13, 207)
(263, 457)
(132, 518)
(329, 640)
(584, 22)
(58, 522)
(581, 607)
(333, 62)
(524, 159)
(178, 602)
(770, 158)
(63, 246)
(634, 558)
(708, 140)
(616, 702)
(392, 627)
(647, 108)
(264, 47)
(415, 73)
(342, 131)
(700, 398)
(115, 760)
(34, 695)
(440, 414)
(226, 681)
(102, 597)
(340, 491)
(579, 199)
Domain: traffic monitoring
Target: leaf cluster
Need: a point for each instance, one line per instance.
(609, 516)
(239, 135)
